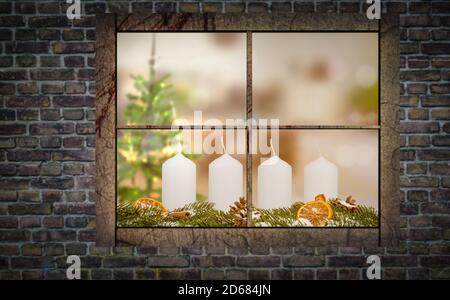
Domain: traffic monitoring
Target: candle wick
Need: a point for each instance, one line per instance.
(271, 148)
(223, 145)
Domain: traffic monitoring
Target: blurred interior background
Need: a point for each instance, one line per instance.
(316, 78)
(142, 153)
(205, 71)
(354, 152)
(298, 78)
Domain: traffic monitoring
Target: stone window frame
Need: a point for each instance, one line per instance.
(108, 234)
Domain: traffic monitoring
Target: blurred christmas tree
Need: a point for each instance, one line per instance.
(142, 152)
(364, 100)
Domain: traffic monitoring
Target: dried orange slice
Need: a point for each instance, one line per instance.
(145, 202)
(317, 212)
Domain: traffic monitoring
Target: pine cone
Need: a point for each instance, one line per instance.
(239, 212)
(349, 203)
(350, 200)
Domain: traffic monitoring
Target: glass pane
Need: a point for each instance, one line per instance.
(143, 154)
(163, 76)
(336, 163)
(316, 78)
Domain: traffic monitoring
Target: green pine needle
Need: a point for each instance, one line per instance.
(278, 217)
(205, 215)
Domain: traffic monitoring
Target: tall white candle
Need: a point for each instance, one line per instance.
(320, 177)
(225, 181)
(274, 183)
(178, 181)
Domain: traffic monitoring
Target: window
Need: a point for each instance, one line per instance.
(307, 119)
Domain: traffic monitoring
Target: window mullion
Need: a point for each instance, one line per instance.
(249, 115)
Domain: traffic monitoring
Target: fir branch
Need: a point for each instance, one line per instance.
(205, 215)
(361, 216)
(278, 217)
(130, 216)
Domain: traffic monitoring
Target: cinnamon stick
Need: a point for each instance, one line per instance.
(179, 214)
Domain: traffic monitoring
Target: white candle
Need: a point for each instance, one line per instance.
(178, 181)
(274, 183)
(320, 177)
(225, 181)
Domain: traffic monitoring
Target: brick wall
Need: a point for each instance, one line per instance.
(47, 199)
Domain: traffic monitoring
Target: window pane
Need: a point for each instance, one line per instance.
(316, 78)
(192, 71)
(337, 163)
(140, 158)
